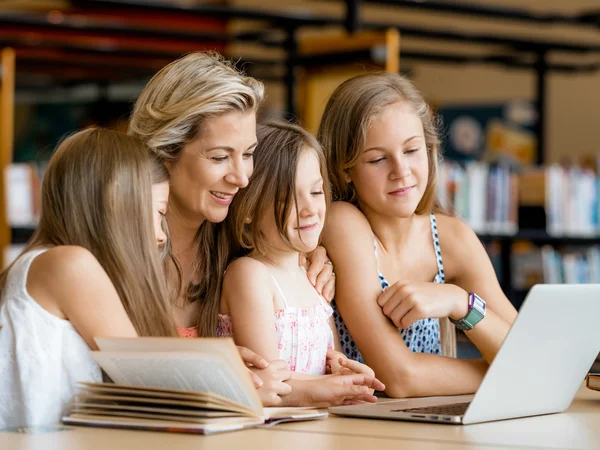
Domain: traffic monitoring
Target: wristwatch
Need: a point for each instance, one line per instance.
(474, 316)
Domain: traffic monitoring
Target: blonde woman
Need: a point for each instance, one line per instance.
(199, 114)
(91, 269)
(387, 233)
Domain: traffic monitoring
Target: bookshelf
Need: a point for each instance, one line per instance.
(7, 98)
(538, 237)
(538, 224)
(283, 30)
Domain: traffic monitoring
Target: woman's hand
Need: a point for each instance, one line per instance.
(337, 390)
(273, 380)
(339, 364)
(251, 359)
(320, 272)
(405, 303)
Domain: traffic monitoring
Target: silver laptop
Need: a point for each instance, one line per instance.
(538, 370)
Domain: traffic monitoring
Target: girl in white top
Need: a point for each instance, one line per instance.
(268, 304)
(91, 269)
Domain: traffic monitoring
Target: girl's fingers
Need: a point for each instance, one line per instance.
(328, 292)
(398, 316)
(317, 261)
(251, 358)
(258, 382)
(324, 276)
(357, 367)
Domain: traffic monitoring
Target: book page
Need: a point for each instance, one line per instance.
(181, 370)
(118, 400)
(154, 393)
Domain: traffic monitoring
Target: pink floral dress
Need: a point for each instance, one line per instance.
(303, 334)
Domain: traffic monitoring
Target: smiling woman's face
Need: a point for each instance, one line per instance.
(213, 167)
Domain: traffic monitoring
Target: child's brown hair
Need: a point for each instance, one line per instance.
(273, 182)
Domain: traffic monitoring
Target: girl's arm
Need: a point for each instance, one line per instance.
(247, 296)
(69, 282)
(349, 242)
(469, 267)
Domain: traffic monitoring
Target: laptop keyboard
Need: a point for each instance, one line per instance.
(452, 409)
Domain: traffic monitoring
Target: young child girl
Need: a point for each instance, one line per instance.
(91, 269)
(268, 304)
(386, 233)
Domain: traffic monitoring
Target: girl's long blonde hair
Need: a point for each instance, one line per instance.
(343, 132)
(167, 116)
(97, 194)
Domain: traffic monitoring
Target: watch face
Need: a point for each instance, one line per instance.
(475, 301)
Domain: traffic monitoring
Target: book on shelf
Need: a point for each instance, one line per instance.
(181, 385)
(484, 196)
(593, 381)
(572, 201)
(23, 189)
(571, 266)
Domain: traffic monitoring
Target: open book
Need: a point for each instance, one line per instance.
(171, 384)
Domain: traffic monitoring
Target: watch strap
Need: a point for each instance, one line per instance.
(475, 314)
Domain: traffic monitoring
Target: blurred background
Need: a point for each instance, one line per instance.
(516, 83)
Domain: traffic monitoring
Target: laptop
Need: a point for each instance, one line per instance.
(539, 368)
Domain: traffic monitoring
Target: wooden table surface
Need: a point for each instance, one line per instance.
(578, 428)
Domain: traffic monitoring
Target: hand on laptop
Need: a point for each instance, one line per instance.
(405, 303)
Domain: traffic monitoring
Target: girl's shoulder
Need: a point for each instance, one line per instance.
(344, 210)
(245, 270)
(64, 261)
(345, 219)
(60, 270)
(458, 242)
(454, 232)
(246, 281)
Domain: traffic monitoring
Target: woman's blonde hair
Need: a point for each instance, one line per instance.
(167, 116)
(97, 194)
(343, 132)
(273, 183)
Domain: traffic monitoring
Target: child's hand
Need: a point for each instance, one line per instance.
(273, 382)
(320, 272)
(339, 364)
(341, 390)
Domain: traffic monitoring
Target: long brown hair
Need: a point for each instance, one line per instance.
(346, 121)
(273, 183)
(169, 114)
(96, 194)
(343, 132)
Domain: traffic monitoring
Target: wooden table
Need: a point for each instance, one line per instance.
(578, 428)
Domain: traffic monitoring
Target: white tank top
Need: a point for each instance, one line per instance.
(42, 357)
